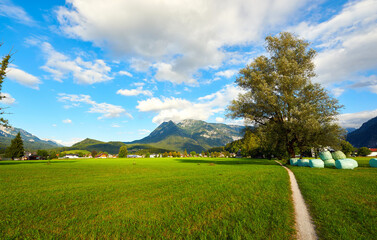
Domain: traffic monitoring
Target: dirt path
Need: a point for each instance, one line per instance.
(304, 225)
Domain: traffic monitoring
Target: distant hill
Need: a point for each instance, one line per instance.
(365, 136)
(192, 135)
(31, 142)
(96, 145)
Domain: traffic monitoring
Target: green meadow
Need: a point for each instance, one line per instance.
(343, 203)
(183, 198)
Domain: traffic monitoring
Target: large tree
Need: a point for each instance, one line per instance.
(3, 67)
(289, 111)
(123, 152)
(16, 148)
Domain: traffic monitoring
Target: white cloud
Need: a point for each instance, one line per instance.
(125, 73)
(346, 42)
(355, 120)
(134, 92)
(337, 91)
(114, 125)
(219, 119)
(69, 142)
(8, 9)
(54, 125)
(144, 131)
(23, 77)
(61, 66)
(227, 73)
(178, 109)
(7, 99)
(175, 37)
(107, 110)
(67, 121)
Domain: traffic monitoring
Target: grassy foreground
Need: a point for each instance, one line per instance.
(343, 203)
(151, 199)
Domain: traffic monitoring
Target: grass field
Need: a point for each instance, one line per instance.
(151, 199)
(343, 203)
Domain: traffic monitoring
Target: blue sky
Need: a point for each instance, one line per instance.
(114, 70)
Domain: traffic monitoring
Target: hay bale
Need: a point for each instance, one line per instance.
(303, 163)
(316, 163)
(338, 155)
(373, 162)
(345, 164)
(355, 163)
(293, 161)
(329, 163)
(326, 155)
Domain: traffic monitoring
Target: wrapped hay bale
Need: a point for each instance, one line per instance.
(373, 162)
(326, 155)
(303, 163)
(345, 164)
(355, 163)
(293, 161)
(329, 163)
(338, 155)
(316, 163)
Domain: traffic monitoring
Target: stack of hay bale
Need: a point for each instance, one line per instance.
(327, 159)
(342, 162)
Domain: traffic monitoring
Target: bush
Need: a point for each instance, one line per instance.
(363, 151)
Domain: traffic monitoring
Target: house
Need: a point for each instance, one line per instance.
(373, 153)
(134, 156)
(102, 155)
(71, 156)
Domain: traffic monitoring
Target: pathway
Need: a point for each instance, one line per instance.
(304, 225)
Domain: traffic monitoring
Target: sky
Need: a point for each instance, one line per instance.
(114, 70)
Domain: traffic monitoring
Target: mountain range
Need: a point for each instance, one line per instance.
(191, 135)
(365, 136)
(31, 142)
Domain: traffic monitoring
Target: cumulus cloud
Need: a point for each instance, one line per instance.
(6, 98)
(219, 119)
(22, 77)
(68, 142)
(61, 66)
(178, 109)
(355, 120)
(134, 92)
(8, 9)
(105, 109)
(125, 73)
(67, 121)
(227, 73)
(175, 38)
(346, 42)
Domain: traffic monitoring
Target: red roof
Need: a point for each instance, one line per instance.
(373, 149)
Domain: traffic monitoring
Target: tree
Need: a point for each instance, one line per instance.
(42, 153)
(123, 152)
(3, 66)
(147, 155)
(346, 147)
(363, 151)
(94, 153)
(193, 153)
(16, 148)
(289, 111)
(185, 153)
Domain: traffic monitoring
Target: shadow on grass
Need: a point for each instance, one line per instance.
(236, 161)
(32, 162)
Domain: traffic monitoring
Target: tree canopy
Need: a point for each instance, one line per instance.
(3, 67)
(288, 110)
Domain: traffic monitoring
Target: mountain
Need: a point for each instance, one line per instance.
(349, 130)
(192, 135)
(31, 142)
(365, 136)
